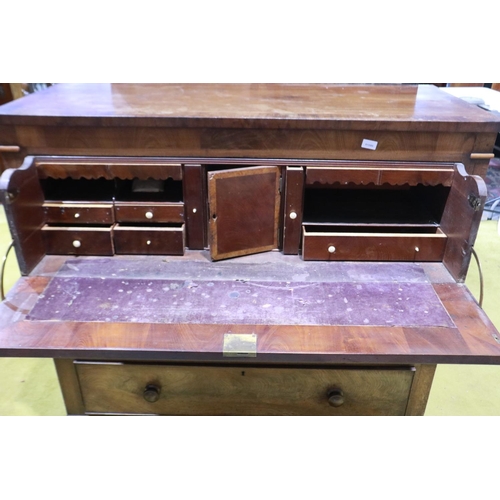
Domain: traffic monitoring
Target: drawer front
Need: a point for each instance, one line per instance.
(77, 240)
(373, 247)
(149, 240)
(205, 390)
(78, 213)
(149, 212)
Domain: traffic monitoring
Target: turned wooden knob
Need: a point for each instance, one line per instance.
(151, 393)
(336, 398)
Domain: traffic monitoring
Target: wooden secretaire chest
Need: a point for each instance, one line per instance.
(245, 249)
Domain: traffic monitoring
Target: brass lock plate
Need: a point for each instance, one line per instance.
(240, 345)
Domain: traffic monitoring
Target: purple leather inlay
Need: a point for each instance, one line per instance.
(240, 302)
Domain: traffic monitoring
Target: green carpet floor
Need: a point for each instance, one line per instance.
(30, 387)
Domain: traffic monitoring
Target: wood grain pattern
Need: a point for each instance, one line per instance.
(73, 240)
(420, 389)
(195, 196)
(246, 390)
(149, 240)
(70, 386)
(244, 211)
(149, 213)
(22, 199)
(79, 213)
(466, 198)
(240, 143)
(398, 175)
(364, 107)
(293, 209)
(108, 168)
(369, 246)
(474, 340)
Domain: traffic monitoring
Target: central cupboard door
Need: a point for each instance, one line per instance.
(244, 211)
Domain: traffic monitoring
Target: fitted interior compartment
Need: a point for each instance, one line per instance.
(78, 189)
(153, 190)
(375, 204)
(102, 189)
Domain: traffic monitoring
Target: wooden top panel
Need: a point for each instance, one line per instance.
(469, 338)
(384, 107)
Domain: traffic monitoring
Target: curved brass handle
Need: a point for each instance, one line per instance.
(336, 397)
(2, 271)
(151, 393)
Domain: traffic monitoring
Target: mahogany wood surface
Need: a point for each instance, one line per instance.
(195, 194)
(368, 246)
(75, 240)
(209, 137)
(149, 213)
(474, 339)
(460, 221)
(22, 198)
(70, 386)
(107, 168)
(79, 213)
(420, 389)
(293, 209)
(149, 240)
(361, 107)
(244, 390)
(244, 209)
(397, 175)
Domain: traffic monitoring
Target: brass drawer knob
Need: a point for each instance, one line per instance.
(149, 215)
(336, 398)
(151, 393)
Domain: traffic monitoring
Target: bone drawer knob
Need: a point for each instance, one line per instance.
(77, 215)
(336, 398)
(9, 149)
(149, 215)
(77, 244)
(293, 215)
(331, 249)
(151, 393)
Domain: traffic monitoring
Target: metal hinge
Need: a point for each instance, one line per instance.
(474, 202)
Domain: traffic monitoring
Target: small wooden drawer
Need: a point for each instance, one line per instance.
(78, 240)
(78, 213)
(149, 213)
(149, 240)
(246, 390)
(369, 242)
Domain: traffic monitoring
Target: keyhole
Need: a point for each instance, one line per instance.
(242, 374)
(214, 216)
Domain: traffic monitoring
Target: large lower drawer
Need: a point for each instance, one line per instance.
(77, 240)
(213, 390)
(379, 243)
(143, 212)
(149, 240)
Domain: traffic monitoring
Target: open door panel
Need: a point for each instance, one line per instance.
(244, 211)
